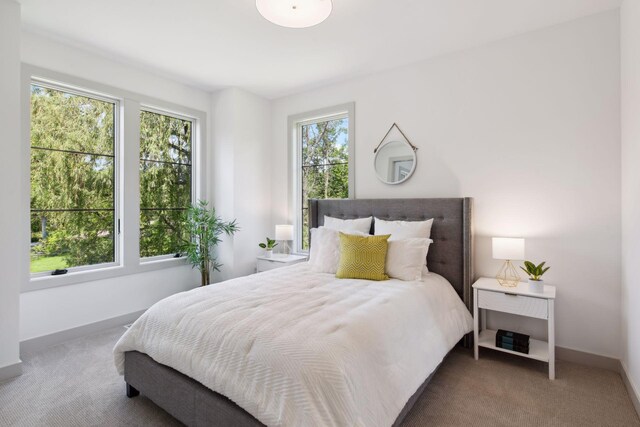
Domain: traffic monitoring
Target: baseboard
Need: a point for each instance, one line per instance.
(603, 362)
(631, 388)
(39, 343)
(10, 371)
(588, 359)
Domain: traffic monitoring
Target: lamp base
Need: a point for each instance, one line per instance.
(286, 250)
(508, 275)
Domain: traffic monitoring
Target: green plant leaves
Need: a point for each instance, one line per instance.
(269, 245)
(534, 271)
(205, 229)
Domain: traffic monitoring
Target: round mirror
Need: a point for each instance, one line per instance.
(395, 162)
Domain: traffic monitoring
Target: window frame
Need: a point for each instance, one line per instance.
(194, 155)
(295, 123)
(128, 199)
(117, 141)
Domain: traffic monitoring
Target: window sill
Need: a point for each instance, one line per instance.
(76, 277)
(157, 263)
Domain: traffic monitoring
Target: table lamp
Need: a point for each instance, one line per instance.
(284, 233)
(509, 249)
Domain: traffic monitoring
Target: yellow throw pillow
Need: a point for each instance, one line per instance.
(362, 257)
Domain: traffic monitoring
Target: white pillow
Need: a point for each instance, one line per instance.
(406, 258)
(315, 240)
(361, 225)
(404, 229)
(324, 254)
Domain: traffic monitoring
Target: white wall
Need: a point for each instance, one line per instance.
(630, 50)
(529, 127)
(56, 56)
(11, 195)
(240, 157)
(57, 309)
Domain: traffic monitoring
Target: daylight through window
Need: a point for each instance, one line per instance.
(73, 187)
(165, 182)
(324, 164)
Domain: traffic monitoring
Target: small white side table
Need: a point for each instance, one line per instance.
(488, 294)
(277, 261)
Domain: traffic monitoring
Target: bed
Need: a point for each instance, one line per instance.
(304, 368)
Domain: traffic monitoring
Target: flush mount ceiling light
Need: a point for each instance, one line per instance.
(295, 13)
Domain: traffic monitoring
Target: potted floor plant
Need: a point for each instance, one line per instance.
(268, 247)
(535, 272)
(205, 229)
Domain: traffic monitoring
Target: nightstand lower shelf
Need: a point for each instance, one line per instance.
(538, 350)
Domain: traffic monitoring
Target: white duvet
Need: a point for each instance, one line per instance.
(298, 348)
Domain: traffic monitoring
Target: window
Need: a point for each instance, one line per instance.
(324, 171)
(85, 148)
(165, 181)
(73, 178)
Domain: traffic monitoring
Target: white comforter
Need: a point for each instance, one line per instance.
(298, 348)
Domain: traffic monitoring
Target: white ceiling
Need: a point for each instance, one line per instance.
(219, 43)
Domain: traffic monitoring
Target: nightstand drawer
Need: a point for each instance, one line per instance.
(515, 304)
(264, 265)
(277, 261)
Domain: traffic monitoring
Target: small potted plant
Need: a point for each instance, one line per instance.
(268, 247)
(535, 272)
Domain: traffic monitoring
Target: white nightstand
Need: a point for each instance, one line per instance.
(277, 261)
(488, 294)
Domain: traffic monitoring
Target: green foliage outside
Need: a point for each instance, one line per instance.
(73, 154)
(48, 263)
(325, 169)
(72, 179)
(165, 183)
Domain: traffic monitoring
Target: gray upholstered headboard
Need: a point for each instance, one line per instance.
(450, 255)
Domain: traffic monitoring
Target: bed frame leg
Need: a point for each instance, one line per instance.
(131, 391)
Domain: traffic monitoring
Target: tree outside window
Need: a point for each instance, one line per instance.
(325, 165)
(165, 182)
(73, 167)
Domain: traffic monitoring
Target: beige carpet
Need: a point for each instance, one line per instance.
(75, 384)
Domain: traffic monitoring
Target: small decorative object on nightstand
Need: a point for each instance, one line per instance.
(277, 261)
(535, 272)
(488, 294)
(268, 247)
(284, 233)
(508, 249)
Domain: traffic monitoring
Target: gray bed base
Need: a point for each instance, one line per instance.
(450, 256)
(193, 404)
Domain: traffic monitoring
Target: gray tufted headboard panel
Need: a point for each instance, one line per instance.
(450, 255)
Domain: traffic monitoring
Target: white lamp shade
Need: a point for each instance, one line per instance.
(508, 248)
(284, 232)
(295, 13)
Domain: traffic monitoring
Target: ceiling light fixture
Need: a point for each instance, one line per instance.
(295, 13)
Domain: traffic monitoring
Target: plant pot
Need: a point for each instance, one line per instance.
(268, 253)
(536, 285)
